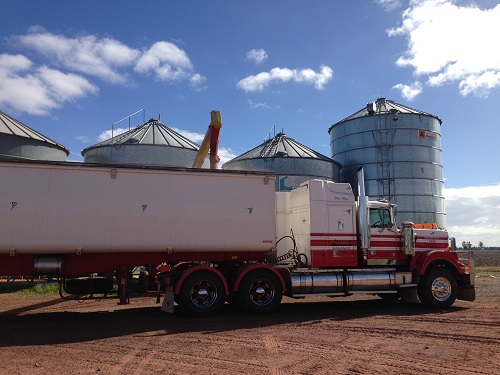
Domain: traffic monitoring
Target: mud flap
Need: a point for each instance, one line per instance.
(409, 295)
(168, 301)
(466, 293)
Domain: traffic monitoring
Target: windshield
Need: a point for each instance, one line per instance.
(380, 218)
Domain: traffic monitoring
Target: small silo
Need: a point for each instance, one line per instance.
(292, 162)
(151, 143)
(19, 141)
(400, 150)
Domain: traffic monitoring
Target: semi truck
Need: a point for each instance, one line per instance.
(217, 236)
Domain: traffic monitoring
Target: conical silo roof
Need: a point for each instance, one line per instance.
(290, 161)
(151, 133)
(11, 126)
(384, 106)
(20, 141)
(281, 146)
(151, 143)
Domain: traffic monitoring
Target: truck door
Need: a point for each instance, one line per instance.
(383, 244)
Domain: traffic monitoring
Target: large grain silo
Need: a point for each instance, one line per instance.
(19, 141)
(151, 143)
(292, 162)
(400, 150)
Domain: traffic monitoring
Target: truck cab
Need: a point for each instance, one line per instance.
(345, 246)
(386, 245)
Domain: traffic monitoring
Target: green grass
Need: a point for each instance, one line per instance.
(41, 289)
(24, 288)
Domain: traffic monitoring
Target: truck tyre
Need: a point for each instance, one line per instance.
(437, 288)
(201, 294)
(260, 291)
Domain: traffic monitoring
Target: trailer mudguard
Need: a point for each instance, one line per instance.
(246, 268)
(198, 267)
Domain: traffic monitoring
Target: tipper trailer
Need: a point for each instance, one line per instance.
(219, 236)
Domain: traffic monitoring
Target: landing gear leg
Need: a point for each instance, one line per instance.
(122, 276)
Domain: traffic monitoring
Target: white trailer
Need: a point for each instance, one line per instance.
(65, 208)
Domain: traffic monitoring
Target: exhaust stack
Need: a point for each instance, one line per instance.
(363, 219)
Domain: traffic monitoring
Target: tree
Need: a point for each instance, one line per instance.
(480, 245)
(466, 245)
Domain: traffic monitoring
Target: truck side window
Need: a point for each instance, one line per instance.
(380, 218)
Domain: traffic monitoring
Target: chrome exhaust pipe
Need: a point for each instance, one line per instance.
(363, 217)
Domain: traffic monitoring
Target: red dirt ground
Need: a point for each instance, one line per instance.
(317, 335)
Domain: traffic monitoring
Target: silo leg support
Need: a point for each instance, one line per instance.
(123, 285)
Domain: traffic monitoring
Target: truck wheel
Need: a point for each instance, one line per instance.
(202, 294)
(260, 291)
(438, 288)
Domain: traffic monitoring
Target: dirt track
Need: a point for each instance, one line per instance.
(353, 335)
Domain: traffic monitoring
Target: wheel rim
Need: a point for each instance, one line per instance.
(441, 289)
(261, 292)
(203, 294)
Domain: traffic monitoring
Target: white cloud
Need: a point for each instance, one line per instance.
(39, 86)
(192, 136)
(473, 214)
(473, 192)
(198, 82)
(99, 57)
(480, 84)
(225, 154)
(260, 81)
(452, 43)
(37, 90)
(257, 105)
(167, 61)
(108, 134)
(389, 5)
(64, 86)
(409, 92)
(257, 56)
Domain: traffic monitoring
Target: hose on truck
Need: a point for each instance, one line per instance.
(291, 254)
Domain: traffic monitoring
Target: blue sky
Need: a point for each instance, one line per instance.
(71, 69)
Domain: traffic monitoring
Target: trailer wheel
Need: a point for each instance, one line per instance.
(438, 288)
(260, 291)
(202, 294)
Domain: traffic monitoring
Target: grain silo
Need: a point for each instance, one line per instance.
(151, 143)
(292, 162)
(400, 150)
(19, 141)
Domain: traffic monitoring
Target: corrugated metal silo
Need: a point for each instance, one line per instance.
(19, 141)
(400, 150)
(151, 143)
(292, 162)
